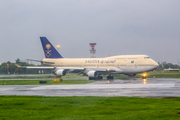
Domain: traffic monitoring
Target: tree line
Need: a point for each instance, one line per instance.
(165, 65)
(11, 68)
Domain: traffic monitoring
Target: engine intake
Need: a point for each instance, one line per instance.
(60, 72)
(92, 74)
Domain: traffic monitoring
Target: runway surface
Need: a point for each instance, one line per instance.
(136, 87)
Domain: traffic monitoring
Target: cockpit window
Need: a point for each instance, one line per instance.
(146, 57)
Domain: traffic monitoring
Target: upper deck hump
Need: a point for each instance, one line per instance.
(128, 56)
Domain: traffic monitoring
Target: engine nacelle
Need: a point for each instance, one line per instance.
(60, 72)
(92, 74)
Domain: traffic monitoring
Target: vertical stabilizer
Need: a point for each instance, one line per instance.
(49, 50)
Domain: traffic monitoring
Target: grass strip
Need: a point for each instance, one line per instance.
(40, 76)
(88, 108)
(36, 82)
(153, 74)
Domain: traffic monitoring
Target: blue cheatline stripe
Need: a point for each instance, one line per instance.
(49, 50)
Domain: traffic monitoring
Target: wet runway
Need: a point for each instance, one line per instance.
(134, 87)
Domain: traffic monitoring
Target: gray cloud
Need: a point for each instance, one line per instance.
(117, 26)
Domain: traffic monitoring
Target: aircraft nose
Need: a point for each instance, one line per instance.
(155, 64)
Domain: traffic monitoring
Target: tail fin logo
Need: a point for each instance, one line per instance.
(48, 46)
(47, 52)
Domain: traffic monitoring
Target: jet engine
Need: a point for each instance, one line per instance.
(92, 74)
(60, 72)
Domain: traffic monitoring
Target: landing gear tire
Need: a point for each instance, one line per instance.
(110, 77)
(143, 77)
(96, 78)
(91, 78)
(99, 77)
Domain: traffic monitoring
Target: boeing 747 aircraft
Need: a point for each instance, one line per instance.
(94, 67)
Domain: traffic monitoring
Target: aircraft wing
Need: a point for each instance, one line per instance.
(42, 62)
(49, 67)
(100, 69)
(79, 70)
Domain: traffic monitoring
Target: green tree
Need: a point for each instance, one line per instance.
(12, 68)
(3, 68)
(18, 60)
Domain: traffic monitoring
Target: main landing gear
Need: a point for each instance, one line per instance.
(96, 78)
(110, 77)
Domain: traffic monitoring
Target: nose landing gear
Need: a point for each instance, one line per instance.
(144, 75)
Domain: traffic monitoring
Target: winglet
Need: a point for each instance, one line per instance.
(49, 50)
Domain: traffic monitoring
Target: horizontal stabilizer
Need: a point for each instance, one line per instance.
(42, 62)
(18, 66)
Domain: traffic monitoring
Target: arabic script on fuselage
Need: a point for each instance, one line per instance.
(100, 61)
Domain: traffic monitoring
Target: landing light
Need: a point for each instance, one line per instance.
(108, 70)
(145, 74)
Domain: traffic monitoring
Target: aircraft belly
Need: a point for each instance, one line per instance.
(136, 69)
(133, 69)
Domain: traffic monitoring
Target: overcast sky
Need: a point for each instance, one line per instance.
(119, 27)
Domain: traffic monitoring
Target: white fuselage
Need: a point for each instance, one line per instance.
(124, 64)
